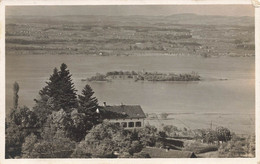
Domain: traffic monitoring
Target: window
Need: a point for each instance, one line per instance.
(124, 124)
(117, 123)
(138, 124)
(130, 124)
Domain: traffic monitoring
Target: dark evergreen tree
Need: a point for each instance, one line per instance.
(87, 103)
(53, 85)
(67, 93)
(48, 91)
(61, 89)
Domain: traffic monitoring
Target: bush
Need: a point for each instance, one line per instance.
(223, 134)
(170, 130)
(231, 149)
(206, 135)
(59, 147)
(136, 147)
(162, 134)
(238, 147)
(148, 136)
(210, 136)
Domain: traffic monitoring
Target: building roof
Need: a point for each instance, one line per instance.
(162, 153)
(123, 111)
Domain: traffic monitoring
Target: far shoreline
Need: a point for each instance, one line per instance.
(140, 55)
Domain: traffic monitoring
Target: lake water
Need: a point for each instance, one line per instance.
(227, 102)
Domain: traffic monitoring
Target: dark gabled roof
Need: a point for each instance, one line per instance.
(123, 111)
(162, 153)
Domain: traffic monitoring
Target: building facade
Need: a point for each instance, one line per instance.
(127, 116)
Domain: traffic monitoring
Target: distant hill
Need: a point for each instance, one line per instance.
(174, 19)
(181, 34)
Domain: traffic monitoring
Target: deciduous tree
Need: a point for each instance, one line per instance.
(104, 140)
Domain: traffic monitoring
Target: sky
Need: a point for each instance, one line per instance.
(154, 10)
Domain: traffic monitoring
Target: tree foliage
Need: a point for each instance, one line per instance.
(87, 103)
(15, 96)
(56, 147)
(24, 117)
(148, 135)
(61, 88)
(14, 139)
(22, 122)
(53, 141)
(238, 147)
(104, 140)
(170, 130)
(79, 126)
(233, 148)
(43, 108)
(210, 136)
(28, 145)
(223, 134)
(251, 145)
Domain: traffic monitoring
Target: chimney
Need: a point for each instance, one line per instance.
(105, 104)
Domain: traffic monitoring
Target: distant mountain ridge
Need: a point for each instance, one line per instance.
(185, 18)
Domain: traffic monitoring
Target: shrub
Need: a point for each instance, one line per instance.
(170, 130)
(231, 149)
(210, 136)
(238, 147)
(148, 136)
(223, 134)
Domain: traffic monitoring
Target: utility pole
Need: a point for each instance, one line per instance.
(211, 125)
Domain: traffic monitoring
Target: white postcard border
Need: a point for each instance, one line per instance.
(5, 3)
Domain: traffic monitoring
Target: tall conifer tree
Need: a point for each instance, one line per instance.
(67, 92)
(87, 103)
(16, 97)
(61, 89)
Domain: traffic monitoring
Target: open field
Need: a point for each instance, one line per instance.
(243, 124)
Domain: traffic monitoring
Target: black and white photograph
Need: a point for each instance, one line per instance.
(130, 81)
